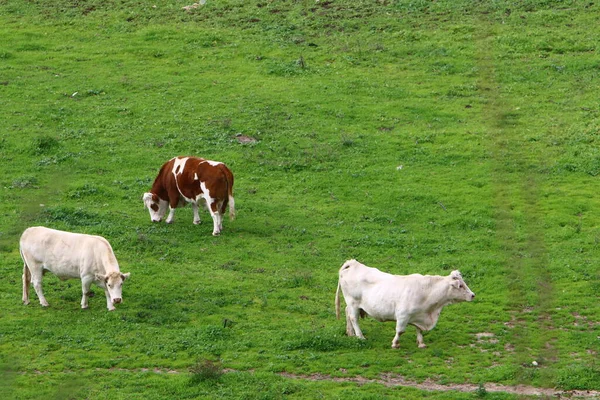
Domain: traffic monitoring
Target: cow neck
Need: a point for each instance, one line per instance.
(158, 187)
(439, 293)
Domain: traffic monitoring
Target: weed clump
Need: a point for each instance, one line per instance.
(206, 370)
(44, 145)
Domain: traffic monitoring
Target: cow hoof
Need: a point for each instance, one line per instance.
(395, 346)
(112, 309)
(216, 233)
(84, 307)
(196, 222)
(422, 345)
(25, 302)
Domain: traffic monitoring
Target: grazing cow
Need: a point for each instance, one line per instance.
(70, 255)
(192, 180)
(407, 299)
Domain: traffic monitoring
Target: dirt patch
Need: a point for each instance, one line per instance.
(243, 139)
(392, 380)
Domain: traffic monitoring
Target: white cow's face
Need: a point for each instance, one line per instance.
(459, 289)
(113, 282)
(156, 206)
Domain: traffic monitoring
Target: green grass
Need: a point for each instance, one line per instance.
(415, 136)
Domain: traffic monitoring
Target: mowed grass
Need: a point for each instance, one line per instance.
(413, 136)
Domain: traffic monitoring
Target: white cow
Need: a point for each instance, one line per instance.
(407, 299)
(70, 255)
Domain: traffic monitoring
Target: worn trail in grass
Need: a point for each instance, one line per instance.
(519, 223)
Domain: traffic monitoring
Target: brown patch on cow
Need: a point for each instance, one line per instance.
(154, 207)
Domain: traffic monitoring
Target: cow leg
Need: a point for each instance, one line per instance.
(196, 214)
(109, 303)
(214, 213)
(400, 328)
(36, 279)
(420, 342)
(26, 283)
(85, 288)
(171, 215)
(352, 328)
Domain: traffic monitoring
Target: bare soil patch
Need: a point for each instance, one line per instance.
(391, 380)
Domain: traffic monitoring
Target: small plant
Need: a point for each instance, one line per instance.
(25, 182)
(206, 370)
(480, 392)
(44, 144)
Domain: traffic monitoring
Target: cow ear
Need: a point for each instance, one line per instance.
(125, 276)
(101, 278)
(455, 274)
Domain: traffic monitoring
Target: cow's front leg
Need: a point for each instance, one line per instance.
(196, 214)
(420, 342)
(171, 215)
(109, 303)
(86, 282)
(400, 328)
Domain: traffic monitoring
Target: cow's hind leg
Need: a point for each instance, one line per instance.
(86, 282)
(420, 342)
(352, 328)
(36, 279)
(216, 216)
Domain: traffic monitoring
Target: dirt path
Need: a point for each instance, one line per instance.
(391, 380)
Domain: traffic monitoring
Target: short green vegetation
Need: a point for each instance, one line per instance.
(413, 135)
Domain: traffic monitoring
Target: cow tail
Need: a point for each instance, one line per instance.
(26, 276)
(229, 180)
(337, 301)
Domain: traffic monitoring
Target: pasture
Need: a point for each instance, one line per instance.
(415, 136)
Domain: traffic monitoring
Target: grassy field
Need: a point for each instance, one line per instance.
(415, 136)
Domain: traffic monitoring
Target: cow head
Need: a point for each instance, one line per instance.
(459, 289)
(155, 205)
(113, 282)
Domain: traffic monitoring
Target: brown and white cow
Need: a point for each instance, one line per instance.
(70, 255)
(193, 180)
(407, 299)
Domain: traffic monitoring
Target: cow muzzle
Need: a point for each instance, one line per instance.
(117, 300)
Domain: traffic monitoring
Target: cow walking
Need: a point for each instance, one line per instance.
(70, 255)
(407, 299)
(193, 180)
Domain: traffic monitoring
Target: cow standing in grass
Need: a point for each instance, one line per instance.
(70, 255)
(407, 299)
(193, 180)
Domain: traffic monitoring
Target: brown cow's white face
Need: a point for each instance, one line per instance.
(156, 206)
(459, 289)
